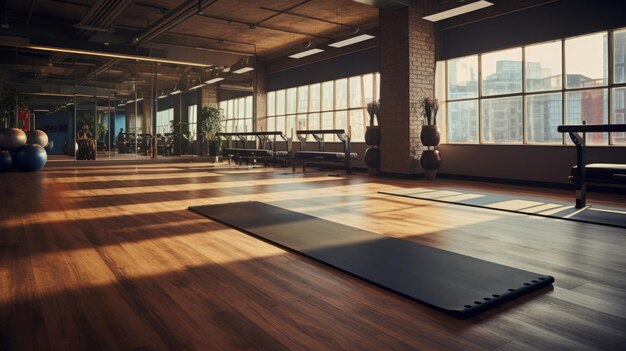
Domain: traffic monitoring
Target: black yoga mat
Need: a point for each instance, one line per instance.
(456, 284)
(611, 216)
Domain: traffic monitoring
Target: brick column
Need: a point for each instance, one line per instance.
(407, 69)
(147, 111)
(208, 96)
(260, 96)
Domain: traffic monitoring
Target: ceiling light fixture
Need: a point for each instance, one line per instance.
(214, 80)
(197, 86)
(113, 55)
(244, 70)
(131, 101)
(306, 53)
(458, 11)
(350, 41)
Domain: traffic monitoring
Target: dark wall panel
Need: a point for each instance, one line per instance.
(556, 20)
(356, 63)
(224, 94)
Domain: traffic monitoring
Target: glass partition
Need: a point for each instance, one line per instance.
(104, 108)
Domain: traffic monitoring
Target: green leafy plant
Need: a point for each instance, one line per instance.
(7, 107)
(429, 108)
(180, 135)
(210, 123)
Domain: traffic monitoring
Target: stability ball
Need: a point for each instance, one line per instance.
(30, 158)
(37, 137)
(6, 161)
(12, 139)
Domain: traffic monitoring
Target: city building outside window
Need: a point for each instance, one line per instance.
(520, 95)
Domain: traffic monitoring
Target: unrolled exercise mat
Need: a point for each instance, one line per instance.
(613, 216)
(455, 284)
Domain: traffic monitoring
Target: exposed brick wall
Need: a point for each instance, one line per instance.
(260, 96)
(208, 96)
(147, 112)
(407, 68)
(422, 76)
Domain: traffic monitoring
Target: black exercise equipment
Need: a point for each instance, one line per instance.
(453, 283)
(608, 174)
(86, 144)
(264, 148)
(321, 156)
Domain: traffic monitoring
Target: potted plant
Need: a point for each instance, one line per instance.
(430, 137)
(209, 124)
(8, 105)
(180, 136)
(372, 138)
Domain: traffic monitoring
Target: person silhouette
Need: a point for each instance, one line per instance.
(121, 141)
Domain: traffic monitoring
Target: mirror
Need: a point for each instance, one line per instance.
(103, 108)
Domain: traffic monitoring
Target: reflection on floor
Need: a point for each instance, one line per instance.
(536, 205)
(104, 255)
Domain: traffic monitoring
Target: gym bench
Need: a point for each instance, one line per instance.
(608, 174)
(322, 157)
(260, 151)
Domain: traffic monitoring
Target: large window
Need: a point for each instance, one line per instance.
(520, 95)
(338, 104)
(164, 119)
(192, 117)
(238, 114)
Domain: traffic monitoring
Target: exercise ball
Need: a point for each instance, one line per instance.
(12, 139)
(30, 157)
(6, 161)
(37, 137)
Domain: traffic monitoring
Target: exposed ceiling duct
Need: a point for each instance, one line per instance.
(101, 16)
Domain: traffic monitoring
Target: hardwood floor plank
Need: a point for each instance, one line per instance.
(106, 257)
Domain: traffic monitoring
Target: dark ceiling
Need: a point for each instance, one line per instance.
(213, 33)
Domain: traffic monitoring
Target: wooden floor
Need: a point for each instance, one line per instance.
(106, 257)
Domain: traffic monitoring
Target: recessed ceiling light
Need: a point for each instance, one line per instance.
(244, 70)
(197, 86)
(306, 53)
(458, 11)
(214, 80)
(350, 41)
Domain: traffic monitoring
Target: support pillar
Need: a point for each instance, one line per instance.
(407, 69)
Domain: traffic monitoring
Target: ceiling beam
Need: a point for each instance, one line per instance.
(288, 12)
(249, 25)
(173, 18)
(181, 13)
(280, 12)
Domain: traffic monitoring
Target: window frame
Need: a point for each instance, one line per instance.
(610, 86)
